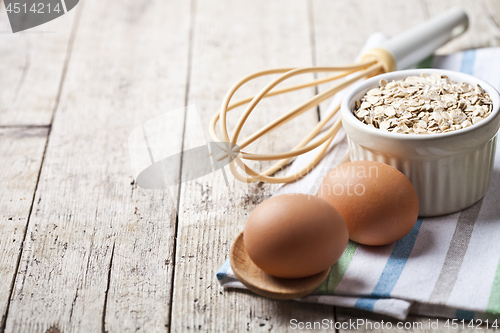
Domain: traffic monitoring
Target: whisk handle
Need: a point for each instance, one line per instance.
(414, 45)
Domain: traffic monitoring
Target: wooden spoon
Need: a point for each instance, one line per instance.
(266, 285)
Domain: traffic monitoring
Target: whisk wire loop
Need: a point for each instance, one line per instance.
(351, 73)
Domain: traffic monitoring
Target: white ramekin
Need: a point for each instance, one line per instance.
(450, 171)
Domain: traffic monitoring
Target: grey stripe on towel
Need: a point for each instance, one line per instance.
(455, 256)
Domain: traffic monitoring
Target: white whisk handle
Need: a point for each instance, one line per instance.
(418, 43)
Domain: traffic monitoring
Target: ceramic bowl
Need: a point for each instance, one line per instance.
(450, 171)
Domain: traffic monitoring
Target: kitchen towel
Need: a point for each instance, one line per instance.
(447, 266)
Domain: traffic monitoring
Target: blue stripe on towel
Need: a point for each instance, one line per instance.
(222, 272)
(366, 304)
(396, 262)
(392, 270)
(468, 61)
(464, 314)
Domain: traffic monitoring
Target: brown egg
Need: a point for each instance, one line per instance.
(378, 203)
(295, 235)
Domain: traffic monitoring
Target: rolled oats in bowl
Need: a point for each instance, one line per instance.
(450, 171)
(423, 104)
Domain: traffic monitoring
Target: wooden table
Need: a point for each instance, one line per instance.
(83, 248)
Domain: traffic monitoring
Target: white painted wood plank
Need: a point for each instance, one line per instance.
(232, 39)
(22, 151)
(32, 64)
(98, 252)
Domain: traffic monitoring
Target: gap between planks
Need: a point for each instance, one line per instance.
(26, 126)
(192, 13)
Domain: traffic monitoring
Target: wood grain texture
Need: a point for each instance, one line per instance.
(22, 151)
(32, 66)
(97, 255)
(232, 39)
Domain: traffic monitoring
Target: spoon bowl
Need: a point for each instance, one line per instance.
(266, 285)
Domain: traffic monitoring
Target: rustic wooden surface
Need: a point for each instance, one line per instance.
(83, 248)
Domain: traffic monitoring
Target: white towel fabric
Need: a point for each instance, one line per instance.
(447, 266)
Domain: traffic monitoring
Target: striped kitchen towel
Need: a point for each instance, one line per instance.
(447, 266)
